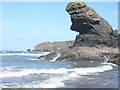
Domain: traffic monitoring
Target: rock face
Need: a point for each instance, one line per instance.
(92, 28)
(83, 53)
(96, 37)
(53, 46)
(113, 57)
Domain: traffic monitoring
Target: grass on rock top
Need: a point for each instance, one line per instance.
(76, 6)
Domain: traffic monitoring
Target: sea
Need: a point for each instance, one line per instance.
(22, 69)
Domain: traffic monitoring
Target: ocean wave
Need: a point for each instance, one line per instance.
(23, 54)
(58, 76)
(10, 69)
(33, 59)
(106, 62)
(109, 64)
(26, 72)
(76, 71)
(58, 55)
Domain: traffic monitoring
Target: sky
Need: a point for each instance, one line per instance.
(26, 24)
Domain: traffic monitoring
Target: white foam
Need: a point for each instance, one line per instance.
(25, 72)
(33, 59)
(53, 82)
(8, 54)
(15, 74)
(93, 69)
(110, 64)
(92, 61)
(106, 61)
(58, 77)
(58, 55)
(24, 54)
(8, 69)
(1, 86)
(80, 71)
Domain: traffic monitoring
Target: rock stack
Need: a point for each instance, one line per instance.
(93, 29)
(96, 36)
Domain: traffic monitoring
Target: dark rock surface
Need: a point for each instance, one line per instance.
(74, 54)
(92, 28)
(113, 57)
(95, 40)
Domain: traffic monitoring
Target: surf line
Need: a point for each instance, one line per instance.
(106, 61)
(58, 55)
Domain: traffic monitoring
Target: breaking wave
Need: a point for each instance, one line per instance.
(52, 78)
(58, 55)
(58, 75)
(23, 54)
(80, 71)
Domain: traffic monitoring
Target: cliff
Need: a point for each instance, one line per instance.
(95, 41)
(93, 29)
(53, 46)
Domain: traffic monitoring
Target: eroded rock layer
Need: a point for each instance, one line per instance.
(92, 28)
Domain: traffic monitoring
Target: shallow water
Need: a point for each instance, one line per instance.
(24, 70)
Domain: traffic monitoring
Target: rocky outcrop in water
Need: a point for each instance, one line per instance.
(53, 46)
(82, 53)
(92, 28)
(95, 37)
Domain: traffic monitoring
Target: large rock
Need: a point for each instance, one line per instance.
(96, 39)
(92, 28)
(97, 53)
(74, 54)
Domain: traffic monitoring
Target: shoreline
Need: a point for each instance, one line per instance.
(84, 53)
